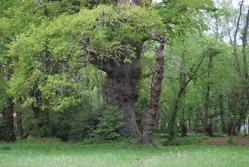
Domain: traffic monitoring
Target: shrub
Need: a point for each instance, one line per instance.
(111, 125)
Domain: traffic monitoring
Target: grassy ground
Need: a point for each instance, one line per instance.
(50, 153)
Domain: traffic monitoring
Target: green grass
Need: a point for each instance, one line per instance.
(51, 153)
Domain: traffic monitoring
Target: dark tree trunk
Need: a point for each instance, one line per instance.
(41, 115)
(122, 86)
(42, 118)
(122, 82)
(156, 89)
(243, 106)
(245, 99)
(183, 85)
(247, 123)
(18, 120)
(207, 123)
(172, 126)
(19, 125)
(233, 113)
(244, 42)
(184, 128)
(206, 110)
(189, 123)
(235, 49)
(8, 121)
(222, 119)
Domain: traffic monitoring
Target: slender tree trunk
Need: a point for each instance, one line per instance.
(206, 109)
(245, 65)
(183, 85)
(156, 89)
(172, 126)
(182, 81)
(41, 115)
(184, 128)
(19, 125)
(189, 124)
(8, 121)
(19, 121)
(233, 113)
(207, 124)
(222, 119)
(247, 125)
(244, 42)
(235, 52)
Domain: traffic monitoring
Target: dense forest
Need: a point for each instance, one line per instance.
(83, 69)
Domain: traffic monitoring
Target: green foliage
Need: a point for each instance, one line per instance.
(76, 123)
(84, 122)
(85, 36)
(183, 16)
(91, 31)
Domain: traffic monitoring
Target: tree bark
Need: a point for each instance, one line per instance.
(183, 85)
(184, 128)
(41, 115)
(19, 116)
(8, 121)
(222, 119)
(206, 123)
(156, 89)
(182, 81)
(233, 107)
(122, 86)
(245, 99)
(235, 53)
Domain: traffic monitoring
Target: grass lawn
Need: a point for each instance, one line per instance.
(49, 153)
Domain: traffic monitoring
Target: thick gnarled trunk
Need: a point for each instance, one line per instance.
(156, 89)
(122, 86)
